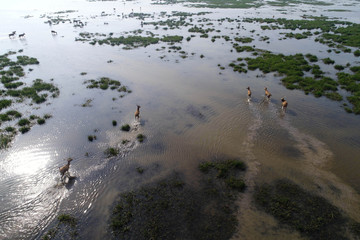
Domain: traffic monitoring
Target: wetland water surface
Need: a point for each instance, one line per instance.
(194, 108)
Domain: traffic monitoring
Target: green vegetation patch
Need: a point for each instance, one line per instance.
(298, 36)
(5, 140)
(172, 39)
(348, 36)
(215, 3)
(33, 91)
(129, 41)
(311, 215)
(25, 60)
(4, 103)
(226, 170)
(284, 3)
(111, 152)
(11, 70)
(321, 23)
(328, 61)
(125, 127)
(334, 33)
(172, 209)
(105, 83)
(171, 23)
(244, 39)
(351, 83)
(140, 137)
(197, 29)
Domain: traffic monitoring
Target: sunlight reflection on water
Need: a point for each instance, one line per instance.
(28, 161)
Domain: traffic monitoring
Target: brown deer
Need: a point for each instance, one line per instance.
(65, 169)
(249, 92)
(267, 93)
(284, 104)
(137, 112)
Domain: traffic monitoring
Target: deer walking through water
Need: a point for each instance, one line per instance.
(137, 112)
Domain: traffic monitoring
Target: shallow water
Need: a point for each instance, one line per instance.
(189, 113)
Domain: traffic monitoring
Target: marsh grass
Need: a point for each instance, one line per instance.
(125, 127)
(333, 33)
(24, 129)
(5, 140)
(172, 39)
(140, 137)
(10, 129)
(41, 121)
(10, 72)
(221, 3)
(171, 209)
(91, 138)
(9, 116)
(4, 103)
(105, 83)
(339, 67)
(140, 170)
(298, 36)
(311, 215)
(33, 91)
(244, 39)
(227, 170)
(328, 61)
(111, 152)
(129, 41)
(23, 122)
(65, 228)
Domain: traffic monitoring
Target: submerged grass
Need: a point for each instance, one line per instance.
(10, 73)
(105, 83)
(65, 228)
(5, 140)
(171, 209)
(125, 127)
(140, 137)
(111, 152)
(334, 33)
(311, 215)
(33, 91)
(216, 3)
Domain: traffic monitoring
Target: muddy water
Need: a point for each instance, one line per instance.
(191, 111)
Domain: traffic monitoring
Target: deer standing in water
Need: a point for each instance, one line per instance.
(137, 112)
(249, 92)
(284, 104)
(267, 93)
(65, 169)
